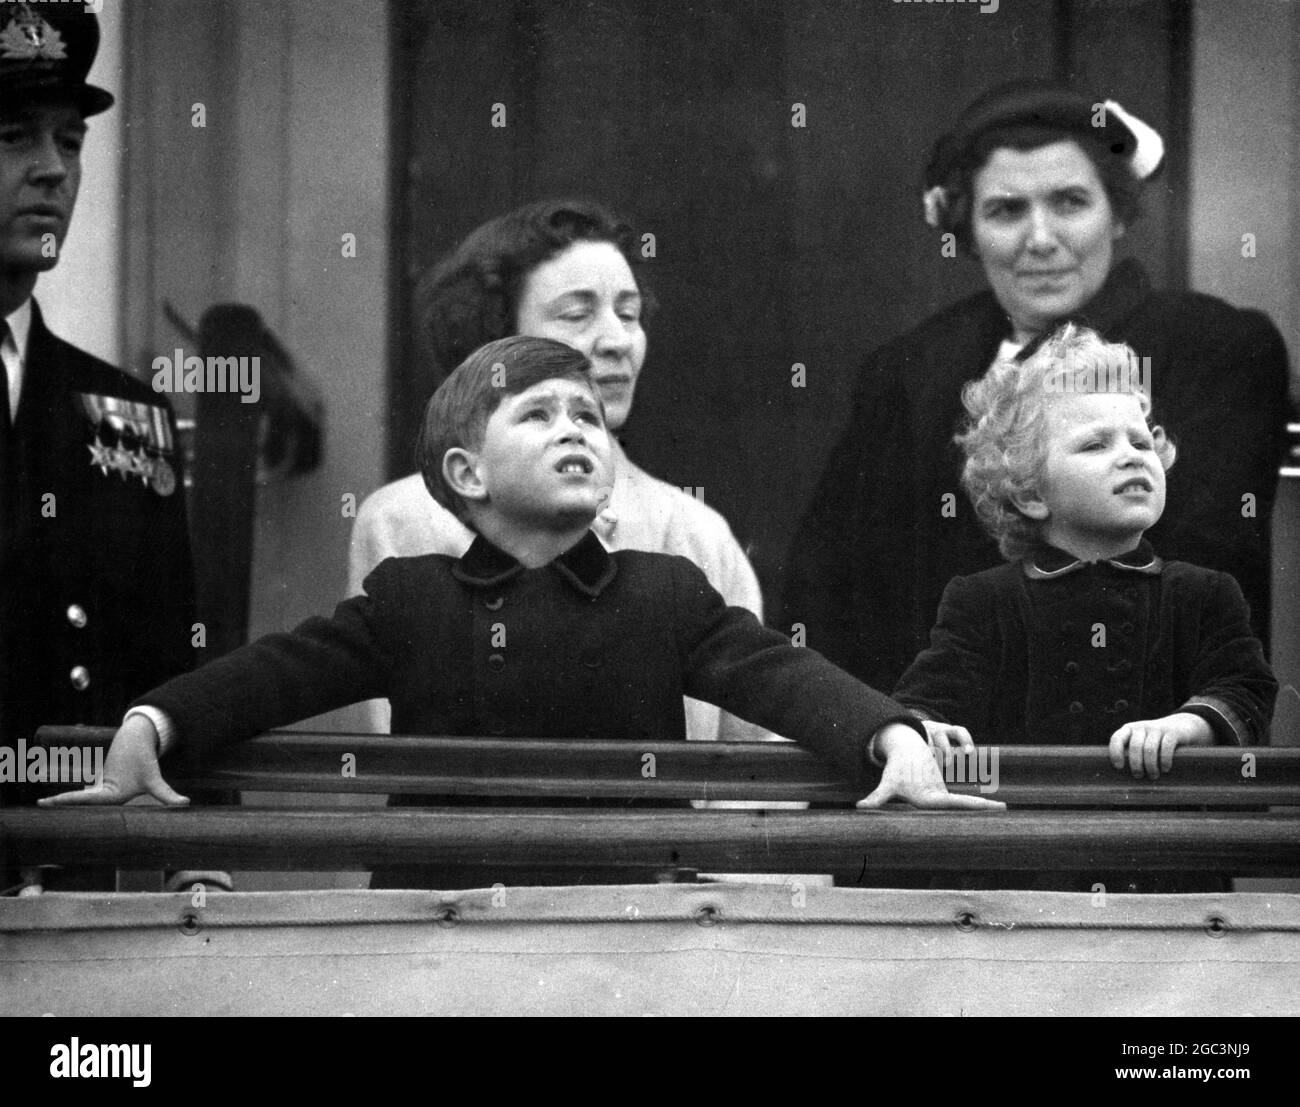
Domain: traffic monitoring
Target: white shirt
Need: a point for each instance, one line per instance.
(14, 352)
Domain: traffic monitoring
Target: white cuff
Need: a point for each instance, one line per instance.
(162, 723)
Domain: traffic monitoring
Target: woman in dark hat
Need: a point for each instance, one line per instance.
(1038, 183)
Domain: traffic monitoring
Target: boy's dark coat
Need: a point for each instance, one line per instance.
(593, 645)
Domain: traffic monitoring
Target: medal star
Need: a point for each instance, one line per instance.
(119, 461)
(99, 456)
(141, 466)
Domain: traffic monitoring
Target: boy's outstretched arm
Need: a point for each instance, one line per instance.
(130, 770)
(756, 673)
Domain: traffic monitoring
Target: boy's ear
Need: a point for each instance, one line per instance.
(1030, 505)
(460, 471)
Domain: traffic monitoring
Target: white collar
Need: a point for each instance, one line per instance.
(20, 323)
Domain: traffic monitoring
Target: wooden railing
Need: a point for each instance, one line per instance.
(1128, 824)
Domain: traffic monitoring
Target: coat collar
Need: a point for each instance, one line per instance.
(587, 565)
(1048, 563)
(1127, 285)
(959, 343)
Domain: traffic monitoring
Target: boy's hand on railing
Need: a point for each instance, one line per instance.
(911, 774)
(130, 770)
(1147, 746)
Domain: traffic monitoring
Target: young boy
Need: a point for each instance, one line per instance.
(537, 630)
(1086, 636)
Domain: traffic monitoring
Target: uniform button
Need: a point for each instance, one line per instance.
(1123, 665)
(1121, 705)
(77, 616)
(1071, 667)
(80, 678)
(496, 662)
(496, 603)
(1128, 628)
(1076, 708)
(1067, 628)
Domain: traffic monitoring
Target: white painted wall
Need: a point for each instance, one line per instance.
(1246, 180)
(1245, 148)
(80, 297)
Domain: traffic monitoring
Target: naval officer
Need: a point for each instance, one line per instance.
(95, 572)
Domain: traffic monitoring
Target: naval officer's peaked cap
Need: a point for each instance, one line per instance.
(46, 50)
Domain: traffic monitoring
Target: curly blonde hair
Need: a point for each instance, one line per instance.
(1003, 434)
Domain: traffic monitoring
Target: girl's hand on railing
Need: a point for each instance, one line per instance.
(911, 774)
(1147, 746)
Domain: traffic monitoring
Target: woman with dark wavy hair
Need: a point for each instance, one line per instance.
(565, 270)
(1038, 183)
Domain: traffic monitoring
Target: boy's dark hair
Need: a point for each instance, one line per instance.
(457, 415)
(471, 296)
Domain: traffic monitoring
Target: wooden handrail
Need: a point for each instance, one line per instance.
(804, 841)
(508, 767)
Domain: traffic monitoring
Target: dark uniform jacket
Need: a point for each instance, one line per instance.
(98, 595)
(877, 546)
(1053, 650)
(593, 645)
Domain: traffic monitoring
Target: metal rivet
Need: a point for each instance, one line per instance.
(80, 678)
(77, 616)
(706, 915)
(1216, 926)
(189, 924)
(966, 920)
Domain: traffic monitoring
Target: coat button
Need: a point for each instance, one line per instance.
(1128, 628)
(1076, 708)
(77, 616)
(1071, 667)
(1123, 665)
(496, 603)
(496, 662)
(80, 678)
(1121, 705)
(1067, 627)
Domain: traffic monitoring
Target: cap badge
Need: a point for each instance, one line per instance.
(29, 36)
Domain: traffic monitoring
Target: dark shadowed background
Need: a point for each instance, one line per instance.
(774, 244)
